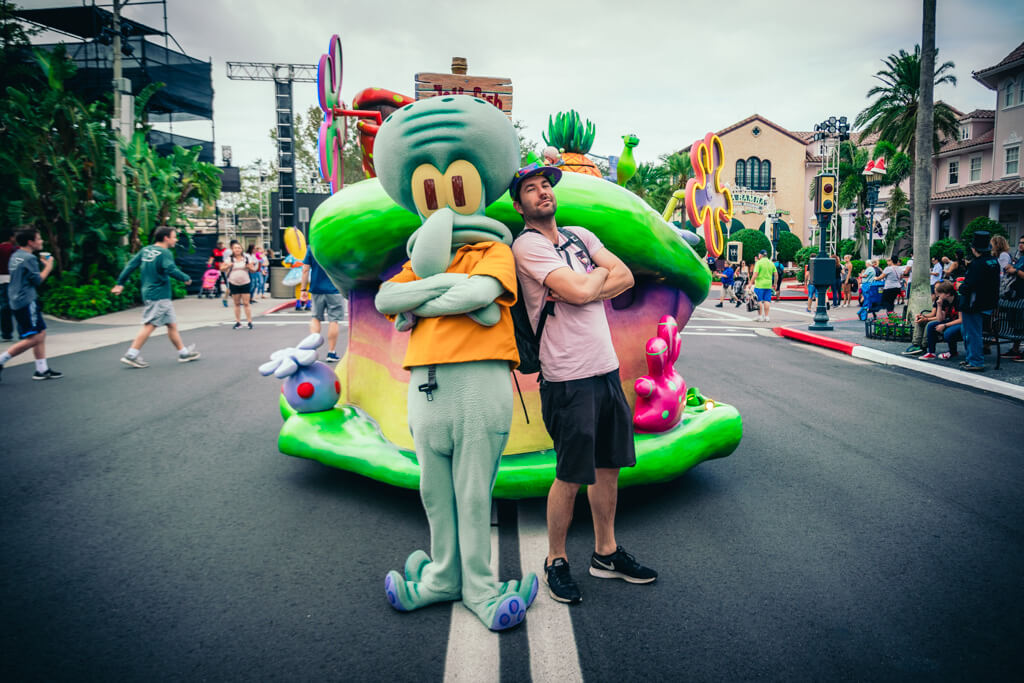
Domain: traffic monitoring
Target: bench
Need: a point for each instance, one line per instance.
(1006, 326)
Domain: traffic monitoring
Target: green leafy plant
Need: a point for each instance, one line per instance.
(804, 255)
(753, 242)
(944, 247)
(980, 223)
(787, 246)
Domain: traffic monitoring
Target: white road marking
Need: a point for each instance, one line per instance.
(794, 311)
(945, 372)
(473, 653)
(553, 654)
(724, 314)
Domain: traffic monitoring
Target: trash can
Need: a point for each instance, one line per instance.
(278, 289)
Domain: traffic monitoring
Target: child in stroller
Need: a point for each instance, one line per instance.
(210, 279)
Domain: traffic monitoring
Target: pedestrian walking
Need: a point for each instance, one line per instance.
(156, 266)
(239, 268)
(848, 280)
(7, 247)
(216, 259)
(26, 278)
(328, 303)
(568, 274)
(764, 283)
(256, 280)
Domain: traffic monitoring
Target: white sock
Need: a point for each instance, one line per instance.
(183, 351)
(131, 353)
(4, 357)
(41, 365)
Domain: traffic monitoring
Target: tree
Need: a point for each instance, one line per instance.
(649, 184)
(56, 169)
(787, 246)
(753, 242)
(678, 170)
(980, 223)
(925, 145)
(898, 215)
(527, 147)
(894, 113)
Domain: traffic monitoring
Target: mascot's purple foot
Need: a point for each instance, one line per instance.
(510, 613)
(393, 587)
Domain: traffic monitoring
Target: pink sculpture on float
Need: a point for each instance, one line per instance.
(660, 396)
(333, 129)
(708, 202)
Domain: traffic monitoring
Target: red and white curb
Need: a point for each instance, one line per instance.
(978, 381)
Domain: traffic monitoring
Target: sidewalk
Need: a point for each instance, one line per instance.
(68, 336)
(849, 336)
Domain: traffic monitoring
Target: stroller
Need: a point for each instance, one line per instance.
(210, 279)
(872, 295)
(743, 296)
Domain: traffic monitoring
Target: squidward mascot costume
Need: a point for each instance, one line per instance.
(446, 159)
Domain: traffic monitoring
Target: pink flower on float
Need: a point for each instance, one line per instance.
(708, 202)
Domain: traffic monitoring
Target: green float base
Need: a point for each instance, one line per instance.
(347, 438)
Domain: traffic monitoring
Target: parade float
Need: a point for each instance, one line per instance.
(360, 235)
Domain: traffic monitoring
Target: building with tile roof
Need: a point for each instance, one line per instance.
(979, 174)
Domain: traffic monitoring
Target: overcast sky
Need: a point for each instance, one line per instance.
(668, 70)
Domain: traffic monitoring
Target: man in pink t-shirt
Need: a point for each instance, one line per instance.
(568, 273)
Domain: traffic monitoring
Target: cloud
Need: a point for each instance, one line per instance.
(666, 71)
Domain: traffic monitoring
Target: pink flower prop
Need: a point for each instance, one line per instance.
(660, 396)
(708, 203)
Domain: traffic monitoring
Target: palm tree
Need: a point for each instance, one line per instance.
(893, 114)
(648, 183)
(678, 170)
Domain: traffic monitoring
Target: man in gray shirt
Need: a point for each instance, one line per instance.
(25, 278)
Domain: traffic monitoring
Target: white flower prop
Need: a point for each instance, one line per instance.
(286, 362)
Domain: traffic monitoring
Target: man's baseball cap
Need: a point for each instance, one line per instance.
(536, 168)
(764, 252)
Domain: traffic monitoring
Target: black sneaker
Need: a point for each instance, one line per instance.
(620, 565)
(237, 326)
(560, 582)
(49, 374)
(913, 350)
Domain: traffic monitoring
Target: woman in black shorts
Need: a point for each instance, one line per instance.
(239, 268)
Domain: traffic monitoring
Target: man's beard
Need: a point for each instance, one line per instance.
(540, 214)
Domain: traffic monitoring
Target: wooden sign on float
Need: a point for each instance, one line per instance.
(497, 91)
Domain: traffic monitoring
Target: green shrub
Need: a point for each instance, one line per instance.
(945, 247)
(753, 242)
(65, 296)
(847, 246)
(980, 223)
(788, 245)
(856, 266)
(804, 255)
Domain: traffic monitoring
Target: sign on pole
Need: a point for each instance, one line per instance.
(496, 90)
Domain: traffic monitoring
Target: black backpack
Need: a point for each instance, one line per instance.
(528, 340)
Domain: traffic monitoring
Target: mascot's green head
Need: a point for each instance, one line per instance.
(454, 151)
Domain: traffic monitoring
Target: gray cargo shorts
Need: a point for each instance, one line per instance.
(158, 313)
(329, 307)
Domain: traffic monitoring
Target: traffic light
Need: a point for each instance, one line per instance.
(825, 193)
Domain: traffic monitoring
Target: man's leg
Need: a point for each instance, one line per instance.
(972, 339)
(314, 326)
(603, 496)
(332, 336)
(561, 500)
(6, 316)
(142, 336)
(175, 336)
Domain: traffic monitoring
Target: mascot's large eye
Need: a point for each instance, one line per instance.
(430, 189)
(465, 191)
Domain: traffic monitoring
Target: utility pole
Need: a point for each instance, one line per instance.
(121, 190)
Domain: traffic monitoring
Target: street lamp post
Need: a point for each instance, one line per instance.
(873, 172)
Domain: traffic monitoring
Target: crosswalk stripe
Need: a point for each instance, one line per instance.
(553, 654)
(473, 651)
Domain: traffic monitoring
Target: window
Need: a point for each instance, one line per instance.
(754, 173)
(965, 132)
(1012, 160)
(1008, 99)
(766, 175)
(741, 173)
(954, 172)
(1020, 91)
(975, 169)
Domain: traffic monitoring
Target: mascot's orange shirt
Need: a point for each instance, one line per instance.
(458, 338)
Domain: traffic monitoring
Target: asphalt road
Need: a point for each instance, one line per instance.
(868, 527)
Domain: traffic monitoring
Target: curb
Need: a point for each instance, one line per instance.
(280, 307)
(882, 358)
